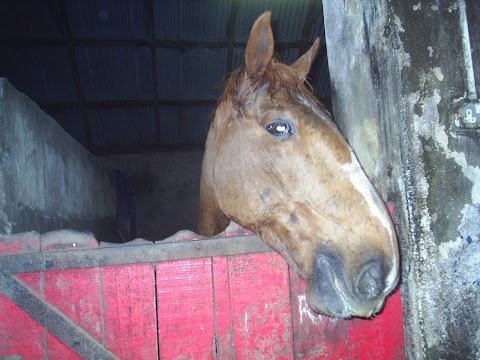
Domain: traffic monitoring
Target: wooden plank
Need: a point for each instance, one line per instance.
(260, 302)
(59, 350)
(74, 292)
(20, 243)
(129, 311)
(185, 309)
(116, 254)
(224, 307)
(30, 299)
(222, 310)
(52, 319)
(380, 338)
(20, 335)
(315, 336)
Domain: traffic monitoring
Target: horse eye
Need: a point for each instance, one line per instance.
(279, 129)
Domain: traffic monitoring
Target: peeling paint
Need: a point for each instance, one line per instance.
(430, 51)
(410, 88)
(463, 253)
(458, 274)
(452, 7)
(438, 133)
(304, 310)
(245, 321)
(438, 73)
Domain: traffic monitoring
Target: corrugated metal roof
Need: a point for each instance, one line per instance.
(184, 125)
(189, 20)
(122, 126)
(71, 120)
(288, 18)
(115, 73)
(156, 65)
(321, 83)
(27, 20)
(43, 73)
(107, 19)
(191, 74)
(194, 124)
(289, 55)
(317, 30)
(169, 130)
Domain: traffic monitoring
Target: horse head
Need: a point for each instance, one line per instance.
(276, 164)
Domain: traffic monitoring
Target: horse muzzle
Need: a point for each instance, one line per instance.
(333, 291)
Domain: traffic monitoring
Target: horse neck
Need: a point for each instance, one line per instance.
(210, 218)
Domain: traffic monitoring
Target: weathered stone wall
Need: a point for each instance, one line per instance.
(47, 180)
(399, 69)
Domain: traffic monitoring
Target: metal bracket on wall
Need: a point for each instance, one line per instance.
(466, 117)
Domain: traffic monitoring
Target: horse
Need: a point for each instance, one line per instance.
(276, 164)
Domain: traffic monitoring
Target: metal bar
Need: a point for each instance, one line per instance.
(60, 105)
(176, 44)
(144, 149)
(467, 52)
(117, 254)
(53, 320)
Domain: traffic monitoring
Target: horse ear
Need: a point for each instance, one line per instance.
(303, 63)
(259, 49)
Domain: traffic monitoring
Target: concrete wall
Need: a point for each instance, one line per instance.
(47, 180)
(399, 71)
(165, 187)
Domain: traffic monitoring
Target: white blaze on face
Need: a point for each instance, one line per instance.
(361, 183)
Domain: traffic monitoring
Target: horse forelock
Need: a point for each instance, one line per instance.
(276, 77)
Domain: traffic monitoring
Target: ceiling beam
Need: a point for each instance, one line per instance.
(143, 149)
(176, 44)
(95, 105)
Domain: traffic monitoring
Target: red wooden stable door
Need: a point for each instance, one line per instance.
(225, 307)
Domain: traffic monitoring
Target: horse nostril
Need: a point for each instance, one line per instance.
(370, 280)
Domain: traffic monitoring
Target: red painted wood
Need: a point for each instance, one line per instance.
(185, 309)
(23, 242)
(223, 314)
(260, 303)
(75, 292)
(227, 307)
(19, 334)
(379, 338)
(129, 311)
(316, 336)
(58, 350)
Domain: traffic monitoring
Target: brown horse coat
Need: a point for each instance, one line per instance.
(275, 163)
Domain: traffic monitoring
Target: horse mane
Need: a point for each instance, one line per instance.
(276, 77)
